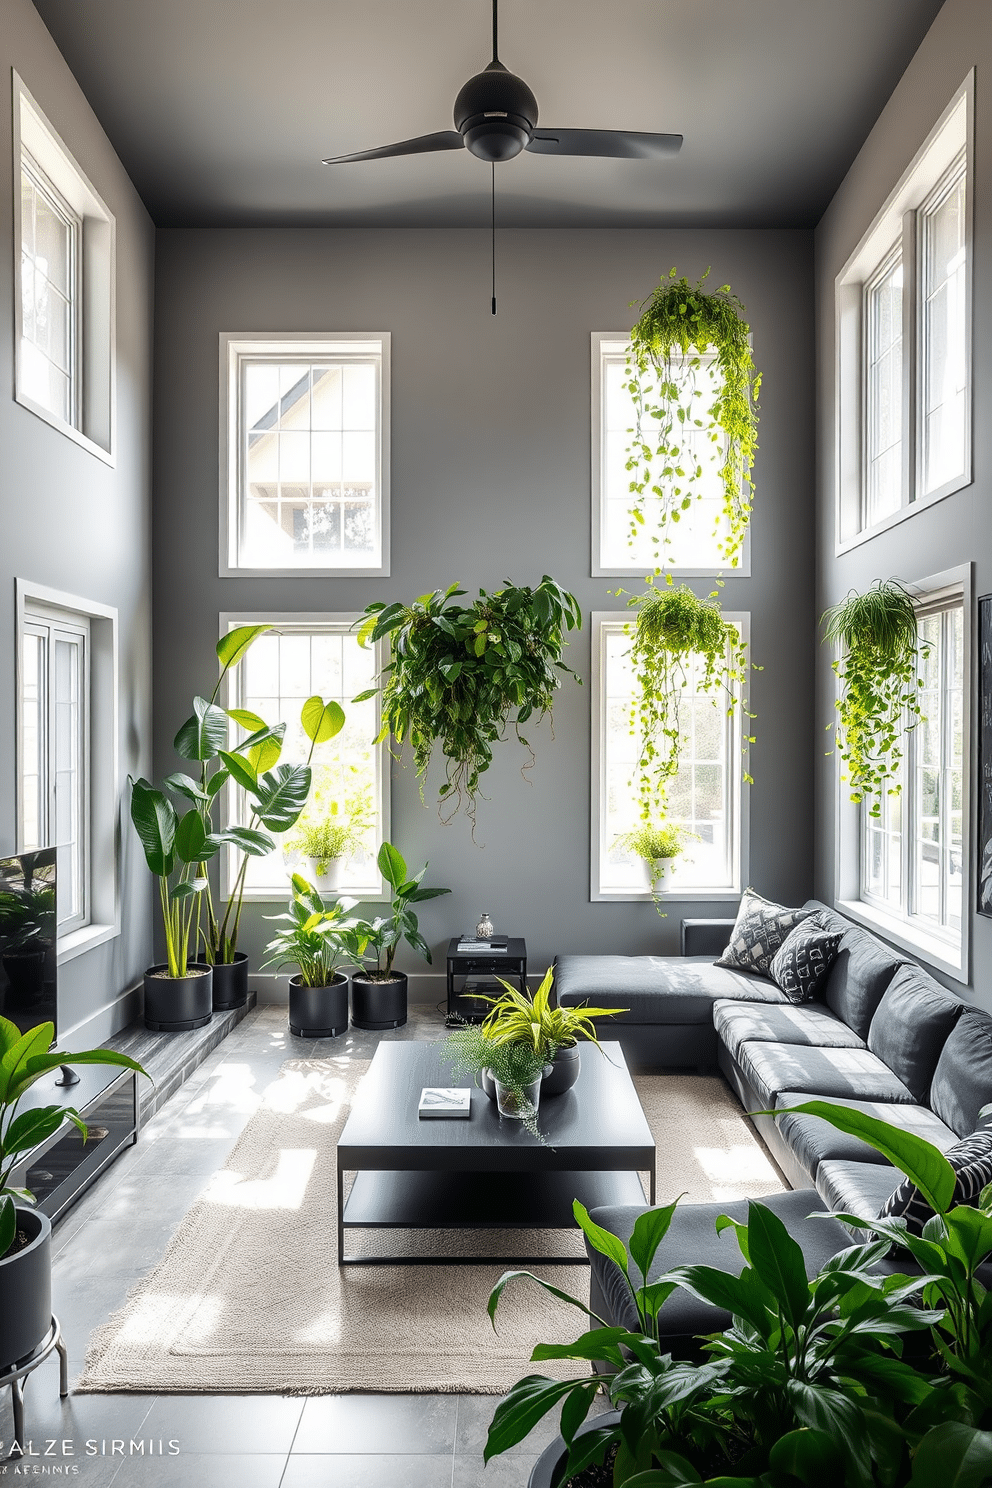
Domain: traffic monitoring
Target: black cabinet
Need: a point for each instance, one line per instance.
(473, 976)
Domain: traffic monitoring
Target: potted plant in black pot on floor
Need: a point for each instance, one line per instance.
(379, 994)
(25, 1232)
(315, 938)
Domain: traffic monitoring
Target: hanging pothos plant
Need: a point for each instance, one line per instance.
(879, 674)
(681, 330)
(676, 634)
(459, 674)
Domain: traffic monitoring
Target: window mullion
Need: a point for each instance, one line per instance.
(910, 354)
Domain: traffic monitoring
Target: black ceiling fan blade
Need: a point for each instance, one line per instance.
(612, 144)
(444, 139)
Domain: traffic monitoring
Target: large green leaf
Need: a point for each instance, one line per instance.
(232, 646)
(30, 1045)
(190, 837)
(391, 865)
(240, 770)
(155, 820)
(602, 1240)
(183, 785)
(30, 1128)
(809, 1455)
(649, 1230)
(262, 747)
(281, 795)
(8, 1224)
(778, 1260)
(321, 721)
(953, 1456)
(734, 1294)
(204, 735)
(247, 840)
(598, 1343)
(40, 1064)
(922, 1163)
(526, 1403)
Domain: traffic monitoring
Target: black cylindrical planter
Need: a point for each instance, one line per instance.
(231, 983)
(177, 1004)
(564, 1071)
(547, 1470)
(26, 1291)
(318, 1012)
(379, 1004)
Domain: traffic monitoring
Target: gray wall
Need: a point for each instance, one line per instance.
(69, 521)
(955, 530)
(490, 479)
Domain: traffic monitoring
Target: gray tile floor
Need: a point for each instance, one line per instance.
(117, 1232)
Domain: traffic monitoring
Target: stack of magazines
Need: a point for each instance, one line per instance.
(473, 945)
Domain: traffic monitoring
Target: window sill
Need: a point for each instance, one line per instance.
(87, 939)
(844, 545)
(69, 430)
(677, 895)
(921, 944)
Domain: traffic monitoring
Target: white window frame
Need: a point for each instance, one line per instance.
(604, 623)
(38, 148)
(602, 342)
(72, 221)
(336, 622)
(234, 348)
(101, 811)
(900, 222)
(945, 952)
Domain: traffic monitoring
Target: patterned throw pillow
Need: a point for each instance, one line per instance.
(802, 962)
(760, 929)
(971, 1159)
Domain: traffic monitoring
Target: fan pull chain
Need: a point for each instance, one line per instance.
(494, 234)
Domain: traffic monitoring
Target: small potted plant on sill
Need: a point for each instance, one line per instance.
(379, 994)
(510, 1072)
(326, 838)
(553, 1032)
(658, 845)
(25, 1232)
(315, 938)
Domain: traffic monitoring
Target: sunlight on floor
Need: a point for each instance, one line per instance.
(736, 1169)
(286, 1189)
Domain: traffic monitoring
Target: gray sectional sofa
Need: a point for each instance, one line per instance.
(886, 1037)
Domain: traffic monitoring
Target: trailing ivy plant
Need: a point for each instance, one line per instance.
(458, 675)
(682, 327)
(879, 674)
(674, 630)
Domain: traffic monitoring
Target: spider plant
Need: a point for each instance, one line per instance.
(518, 1018)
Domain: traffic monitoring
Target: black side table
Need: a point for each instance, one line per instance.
(472, 975)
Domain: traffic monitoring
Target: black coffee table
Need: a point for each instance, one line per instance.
(487, 1173)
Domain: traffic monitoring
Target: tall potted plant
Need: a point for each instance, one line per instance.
(25, 1232)
(379, 994)
(313, 937)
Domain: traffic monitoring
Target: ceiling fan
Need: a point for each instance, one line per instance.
(496, 117)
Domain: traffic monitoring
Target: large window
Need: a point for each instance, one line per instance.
(704, 797)
(621, 542)
(913, 855)
(904, 342)
(298, 658)
(307, 464)
(64, 299)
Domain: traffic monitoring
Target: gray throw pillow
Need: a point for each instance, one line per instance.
(802, 962)
(759, 930)
(971, 1160)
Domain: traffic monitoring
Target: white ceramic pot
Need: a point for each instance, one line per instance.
(324, 873)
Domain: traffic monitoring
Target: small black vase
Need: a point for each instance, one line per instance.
(562, 1072)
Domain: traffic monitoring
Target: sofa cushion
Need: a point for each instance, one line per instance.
(814, 1140)
(911, 1025)
(771, 1069)
(802, 962)
(759, 930)
(692, 1238)
(862, 970)
(656, 989)
(971, 1159)
(962, 1081)
(737, 1023)
(854, 1188)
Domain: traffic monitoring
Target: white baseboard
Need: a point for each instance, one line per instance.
(105, 1022)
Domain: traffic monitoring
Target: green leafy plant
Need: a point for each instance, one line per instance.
(516, 1064)
(378, 940)
(26, 907)
(677, 634)
(458, 674)
(879, 675)
(24, 1059)
(518, 1018)
(314, 937)
(336, 834)
(681, 326)
(276, 793)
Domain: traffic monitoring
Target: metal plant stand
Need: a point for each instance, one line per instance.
(15, 1376)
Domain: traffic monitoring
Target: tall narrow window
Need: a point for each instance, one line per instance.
(884, 391)
(54, 753)
(307, 474)
(283, 668)
(944, 339)
(704, 797)
(49, 294)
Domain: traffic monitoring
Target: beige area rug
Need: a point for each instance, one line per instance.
(248, 1295)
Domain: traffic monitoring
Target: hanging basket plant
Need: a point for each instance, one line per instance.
(460, 675)
(879, 675)
(682, 328)
(675, 633)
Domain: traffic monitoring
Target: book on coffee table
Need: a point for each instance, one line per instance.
(443, 1103)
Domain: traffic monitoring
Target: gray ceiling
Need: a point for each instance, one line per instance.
(222, 109)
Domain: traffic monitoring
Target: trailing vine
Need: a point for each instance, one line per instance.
(674, 628)
(459, 674)
(879, 675)
(680, 327)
